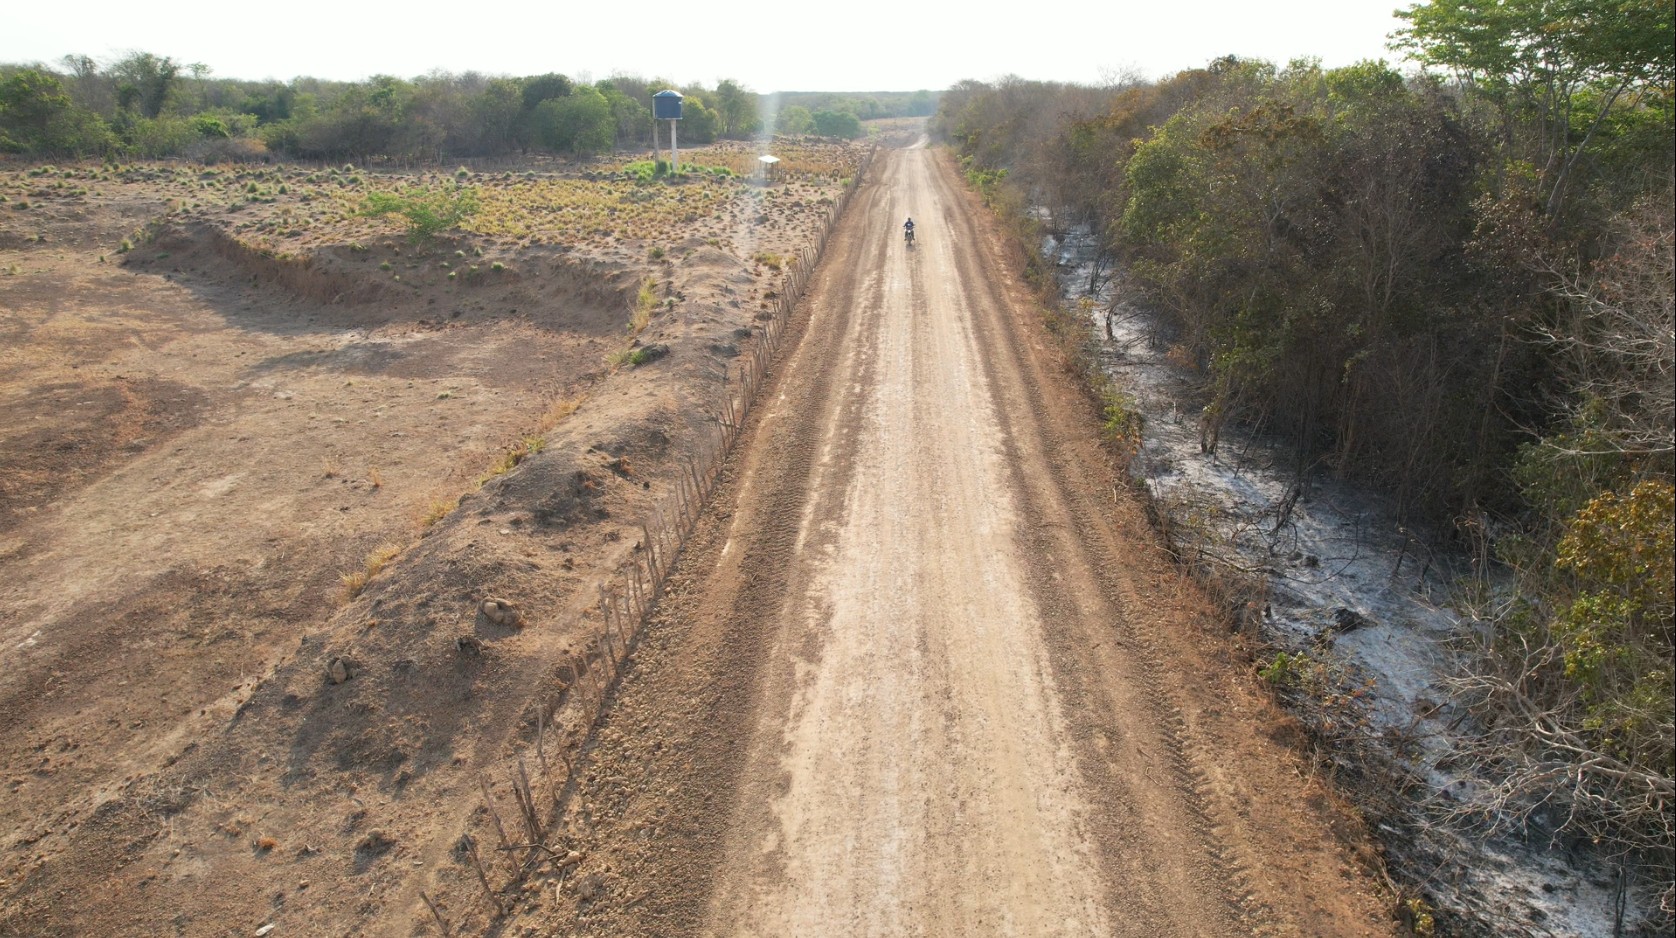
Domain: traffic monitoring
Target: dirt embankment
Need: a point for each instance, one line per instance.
(920, 671)
(925, 670)
(205, 447)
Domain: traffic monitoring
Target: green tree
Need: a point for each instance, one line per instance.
(1305, 231)
(634, 119)
(87, 86)
(37, 116)
(270, 103)
(699, 122)
(208, 125)
(536, 92)
(545, 88)
(29, 101)
(795, 119)
(581, 123)
(1556, 68)
(736, 108)
(837, 124)
(145, 82)
(362, 121)
(495, 112)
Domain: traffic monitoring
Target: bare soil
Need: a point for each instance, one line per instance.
(201, 437)
(923, 668)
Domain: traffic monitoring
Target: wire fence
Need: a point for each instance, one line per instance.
(568, 713)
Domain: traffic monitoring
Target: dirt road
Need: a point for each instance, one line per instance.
(912, 763)
(924, 672)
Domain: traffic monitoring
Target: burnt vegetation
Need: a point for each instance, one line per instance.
(1453, 284)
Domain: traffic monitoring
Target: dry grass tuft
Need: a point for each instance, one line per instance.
(356, 581)
(645, 301)
(558, 411)
(436, 511)
(515, 454)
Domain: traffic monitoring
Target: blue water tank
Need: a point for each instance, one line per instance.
(666, 106)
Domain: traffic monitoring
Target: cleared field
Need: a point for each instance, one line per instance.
(254, 443)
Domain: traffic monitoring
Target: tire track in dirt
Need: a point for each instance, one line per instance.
(915, 755)
(1178, 890)
(662, 767)
(912, 677)
(1198, 748)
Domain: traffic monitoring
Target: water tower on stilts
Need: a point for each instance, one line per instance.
(666, 106)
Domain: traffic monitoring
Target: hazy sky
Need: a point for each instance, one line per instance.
(866, 45)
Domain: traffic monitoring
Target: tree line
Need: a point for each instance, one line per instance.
(149, 106)
(1454, 284)
(833, 114)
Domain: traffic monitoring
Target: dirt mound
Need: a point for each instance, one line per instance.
(252, 670)
(452, 279)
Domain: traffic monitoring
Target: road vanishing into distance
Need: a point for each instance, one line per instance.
(924, 669)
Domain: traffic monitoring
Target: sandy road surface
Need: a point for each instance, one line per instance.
(912, 764)
(923, 675)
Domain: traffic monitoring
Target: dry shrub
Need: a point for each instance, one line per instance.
(230, 150)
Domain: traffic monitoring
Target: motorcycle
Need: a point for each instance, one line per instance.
(908, 236)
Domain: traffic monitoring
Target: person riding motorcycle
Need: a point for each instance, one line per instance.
(908, 229)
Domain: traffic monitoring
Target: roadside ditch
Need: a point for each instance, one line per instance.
(1360, 621)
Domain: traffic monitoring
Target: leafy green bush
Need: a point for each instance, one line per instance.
(986, 181)
(646, 170)
(208, 125)
(154, 137)
(429, 211)
(699, 122)
(1617, 634)
(1286, 670)
(837, 124)
(795, 119)
(1122, 420)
